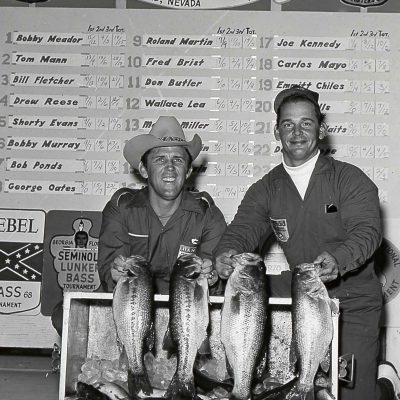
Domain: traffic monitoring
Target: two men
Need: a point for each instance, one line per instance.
(321, 211)
(162, 221)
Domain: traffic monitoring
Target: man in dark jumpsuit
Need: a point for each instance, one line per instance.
(321, 211)
(162, 221)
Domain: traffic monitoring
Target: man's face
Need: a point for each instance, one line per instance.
(299, 132)
(80, 241)
(167, 171)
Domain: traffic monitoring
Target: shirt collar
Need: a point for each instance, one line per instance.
(189, 201)
(322, 166)
(307, 166)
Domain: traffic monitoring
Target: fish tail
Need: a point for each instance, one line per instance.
(139, 382)
(298, 393)
(310, 395)
(233, 397)
(178, 389)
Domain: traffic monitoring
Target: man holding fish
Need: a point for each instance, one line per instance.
(162, 221)
(160, 239)
(323, 212)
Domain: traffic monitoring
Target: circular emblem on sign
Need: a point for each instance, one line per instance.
(364, 3)
(388, 267)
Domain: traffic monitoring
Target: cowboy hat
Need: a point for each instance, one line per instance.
(166, 132)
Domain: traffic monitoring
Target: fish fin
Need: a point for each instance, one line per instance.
(229, 368)
(298, 393)
(235, 304)
(322, 381)
(310, 395)
(207, 382)
(261, 363)
(180, 390)
(205, 347)
(150, 340)
(233, 397)
(119, 344)
(334, 307)
(168, 344)
(199, 292)
(137, 383)
(292, 354)
(202, 316)
(123, 360)
(325, 363)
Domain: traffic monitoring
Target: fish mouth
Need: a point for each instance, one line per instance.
(133, 271)
(193, 274)
(248, 266)
(305, 267)
(247, 258)
(307, 277)
(306, 273)
(190, 266)
(133, 265)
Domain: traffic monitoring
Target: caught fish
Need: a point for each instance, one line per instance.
(312, 327)
(88, 392)
(111, 390)
(101, 391)
(188, 323)
(133, 316)
(243, 321)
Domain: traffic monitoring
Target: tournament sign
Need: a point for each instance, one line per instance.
(75, 258)
(21, 260)
(70, 259)
(388, 263)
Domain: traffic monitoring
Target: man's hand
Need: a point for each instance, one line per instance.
(118, 267)
(224, 263)
(329, 270)
(208, 270)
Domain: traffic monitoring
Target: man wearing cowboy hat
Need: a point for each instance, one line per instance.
(162, 221)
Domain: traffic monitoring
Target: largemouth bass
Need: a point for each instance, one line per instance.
(312, 327)
(243, 321)
(133, 316)
(189, 319)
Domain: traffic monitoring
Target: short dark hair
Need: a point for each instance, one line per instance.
(321, 117)
(82, 234)
(145, 156)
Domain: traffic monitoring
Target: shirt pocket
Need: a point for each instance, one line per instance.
(331, 228)
(138, 244)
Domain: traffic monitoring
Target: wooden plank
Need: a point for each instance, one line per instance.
(28, 385)
(33, 331)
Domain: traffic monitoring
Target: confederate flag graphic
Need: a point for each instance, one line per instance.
(21, 261)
